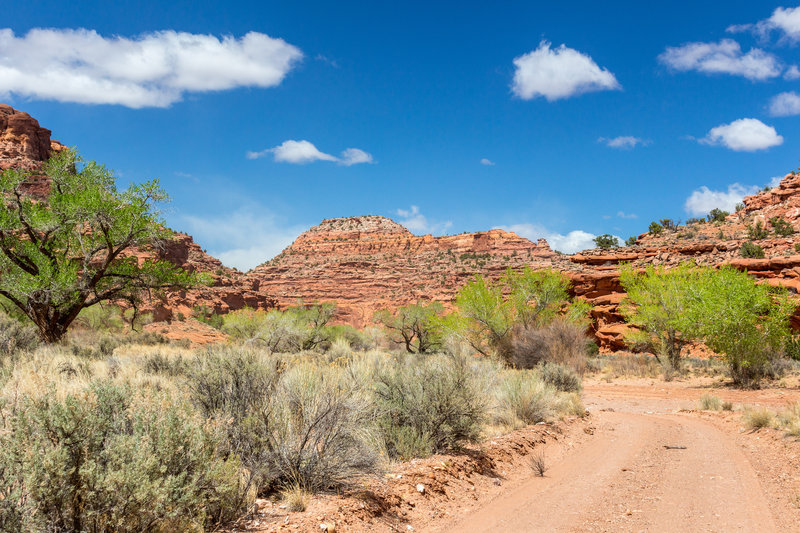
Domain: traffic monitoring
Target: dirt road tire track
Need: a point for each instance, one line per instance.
(624, 479)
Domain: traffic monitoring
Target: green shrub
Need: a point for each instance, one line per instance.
(561, 377)
(717, 215)
(109, 459)
(208, 316)
(655, 228)
(630, 241)
(669, 224)
(751, 250)
(781, 227)
(757, 232)
(428, 405)
(606, 241)
(740, 207)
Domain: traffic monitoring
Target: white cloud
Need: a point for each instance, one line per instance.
(724, 57)
(571, 243)
(623, 214)
(775, 181)
(785, 104)
(743, 135)
(302, 152)
(786, 20)
(703, 200)
(418, 223)
(243, 239)
(487, 162)
(354, 156)
(559, 73)
(792, 73)
(624, 142)
(148, 70)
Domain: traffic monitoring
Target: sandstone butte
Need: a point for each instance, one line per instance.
(367, 263)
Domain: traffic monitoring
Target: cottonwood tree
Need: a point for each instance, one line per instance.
(413, 326)
(73, 247)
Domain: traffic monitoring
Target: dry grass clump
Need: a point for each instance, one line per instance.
(296, 498)
(710, 402)
(758, 418)
(789, 420)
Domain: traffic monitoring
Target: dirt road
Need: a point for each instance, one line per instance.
(625, 478)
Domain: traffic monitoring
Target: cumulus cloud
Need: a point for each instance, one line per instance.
(487, 162)
(785, 20)
(785, 104)
(148, 70)
(558, 73)
(703, 200)
(724, 57)
(418, 223)
(743, 135)
(243, 239)
(624, 142)
(571, 243)
(302, 152)
(792, 73)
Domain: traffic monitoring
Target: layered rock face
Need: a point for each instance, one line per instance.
(371, 262)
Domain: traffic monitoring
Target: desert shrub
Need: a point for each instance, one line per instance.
(751, 250)
(791, 347)
(561, 377)
(740, 207)
(669, 224)
(709, 402)
(206, 315)
(717, 215)
(159, 363)
(524, 398)
(109, 459)
(560, 341)
(305, 426)
(320, 436)
(16, 335)
(428, 405)
(278, 331)
(359, 340)
(789, 420)
(606, 241)
(655, 228)
(630, 241)
(237, 387)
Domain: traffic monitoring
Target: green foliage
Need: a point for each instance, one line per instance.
(429, 405)
(487, 319)
(751, 250)
(745, 322)
(109, 459)
(66, 251)
(756, 232)
(524, 398)
(655, 228)
(717, 215)
(740, 207)
(654, 303)
(208, 316)
(630, 241)
(781, 227)
(298, 328)
(669, 224)
(606, 241)
(414, 326)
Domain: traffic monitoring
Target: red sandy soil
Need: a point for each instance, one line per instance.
(610, 471)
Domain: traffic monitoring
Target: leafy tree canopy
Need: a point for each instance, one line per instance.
(73, 247)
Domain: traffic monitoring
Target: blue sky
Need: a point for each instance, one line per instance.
(560, 121)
